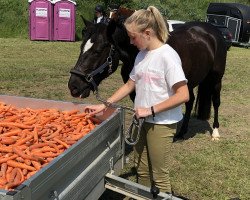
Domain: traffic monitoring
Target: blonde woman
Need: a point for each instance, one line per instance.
(161, 88)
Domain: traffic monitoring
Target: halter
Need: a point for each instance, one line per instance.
(90, 77)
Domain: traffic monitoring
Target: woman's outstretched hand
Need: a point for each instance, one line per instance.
(94, 109)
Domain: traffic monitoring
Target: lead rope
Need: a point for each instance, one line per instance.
(131, 138)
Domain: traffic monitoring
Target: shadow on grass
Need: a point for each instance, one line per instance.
(195, 127)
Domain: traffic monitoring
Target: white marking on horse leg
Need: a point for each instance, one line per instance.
(215, 134)
(87, 46)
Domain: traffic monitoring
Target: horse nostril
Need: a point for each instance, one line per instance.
(74, 92)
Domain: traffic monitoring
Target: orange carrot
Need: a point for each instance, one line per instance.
(70, 142)
(30, 122)
(30, 174)
(39, 145)
(49, 159)
(23, 155)
(27, 162)
(15, 125)
(3, 181)
(70, 112)
(8, 175)
(30, 139)
(80, 115)
(7, 140)
(56, 133)
(35, 135)
(47, 120)
(45, 155)
(12, 118)
(25, 172)
(91, 125)
(36, 164)
(20, 159)
(5, 149)
(11, 133)
(3, 160)
(21, 174)
(61, 142)
(24, 140)
(95, 120)
(12, 185)
(48, 149)
(18, 177)
(4, 169)
(13, 163)
(76, 137)
(9, 169)
(13, 175)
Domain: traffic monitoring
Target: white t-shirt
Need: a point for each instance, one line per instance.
(154, 73)
(98, 20)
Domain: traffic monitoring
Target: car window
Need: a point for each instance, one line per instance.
(176, 25)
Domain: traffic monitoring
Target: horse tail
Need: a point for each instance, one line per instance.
(204, 100)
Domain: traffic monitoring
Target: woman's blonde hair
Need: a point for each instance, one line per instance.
(150, 18)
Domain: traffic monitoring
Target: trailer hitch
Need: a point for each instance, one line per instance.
(134, 190)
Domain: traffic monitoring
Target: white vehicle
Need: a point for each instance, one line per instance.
(174, 24)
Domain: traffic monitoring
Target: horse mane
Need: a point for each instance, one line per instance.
(121, 13)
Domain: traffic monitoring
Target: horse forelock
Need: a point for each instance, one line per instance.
(93, 35)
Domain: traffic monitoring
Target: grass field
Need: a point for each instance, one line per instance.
(201, 169)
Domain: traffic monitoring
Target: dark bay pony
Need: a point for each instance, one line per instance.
(201, 48)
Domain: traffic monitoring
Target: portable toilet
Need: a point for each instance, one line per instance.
(41, 19)
(64, 20)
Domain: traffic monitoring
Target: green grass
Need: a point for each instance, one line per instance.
(201, 169)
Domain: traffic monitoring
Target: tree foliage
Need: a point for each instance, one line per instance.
(14, 15)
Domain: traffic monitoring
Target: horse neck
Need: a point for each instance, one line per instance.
(127, 56)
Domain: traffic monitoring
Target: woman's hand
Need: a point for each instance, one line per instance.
(142, 112)
(94, 109)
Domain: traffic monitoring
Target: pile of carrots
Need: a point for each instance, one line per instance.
(31, 138)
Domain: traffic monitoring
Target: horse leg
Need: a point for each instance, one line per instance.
(186, 118)
(216, 104)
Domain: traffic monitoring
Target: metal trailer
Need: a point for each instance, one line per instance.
(235, 16)
(87, 168)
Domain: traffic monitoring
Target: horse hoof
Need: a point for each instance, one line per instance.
(178, 139)
(215, 139)
(215, 133)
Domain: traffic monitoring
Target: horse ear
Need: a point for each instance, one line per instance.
(86, 22)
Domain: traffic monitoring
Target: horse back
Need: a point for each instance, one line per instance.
(202, 50)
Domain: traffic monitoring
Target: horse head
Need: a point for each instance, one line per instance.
(97, 60)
